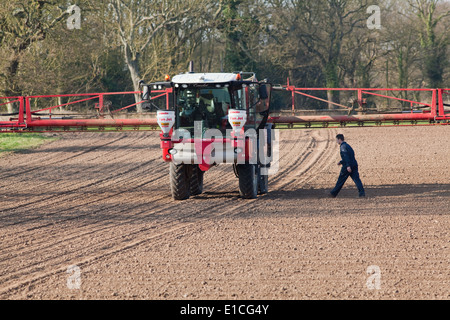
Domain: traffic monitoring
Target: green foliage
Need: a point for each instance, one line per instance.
(238, 25)
(13, 142)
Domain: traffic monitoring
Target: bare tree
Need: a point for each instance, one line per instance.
(22, 24)
(318, 30)
(140, 25)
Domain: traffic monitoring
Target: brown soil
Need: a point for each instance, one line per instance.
(102, 202)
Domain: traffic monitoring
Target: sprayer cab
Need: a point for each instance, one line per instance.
(208, 125)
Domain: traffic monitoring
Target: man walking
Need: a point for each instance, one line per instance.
(349, 168)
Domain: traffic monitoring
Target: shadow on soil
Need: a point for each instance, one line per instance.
(391, 191)
(109, 210)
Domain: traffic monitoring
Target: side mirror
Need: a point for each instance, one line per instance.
(146, 91)
(263, 93)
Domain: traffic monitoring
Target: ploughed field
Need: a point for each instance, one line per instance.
(101, 201)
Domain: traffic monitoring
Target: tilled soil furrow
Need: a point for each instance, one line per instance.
(131, 240)
(292, 158)
(172, 225)
(137, 217)
(108, 239)
(60, 220)
(87, 151)
(158, 179)
(76, 182)
(322, 158)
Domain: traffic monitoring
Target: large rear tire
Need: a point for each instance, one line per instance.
(196, 180)
(248, 181)
(179, 181)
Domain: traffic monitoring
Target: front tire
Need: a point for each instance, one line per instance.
(248, 181)
(180, 181)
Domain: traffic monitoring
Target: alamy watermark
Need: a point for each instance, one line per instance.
(74, 278)
(374, 21)
(374, 280)
(74, 20)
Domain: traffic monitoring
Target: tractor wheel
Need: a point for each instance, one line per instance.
(179, 181)
(196, 180)
(248, 181)
(263, 182)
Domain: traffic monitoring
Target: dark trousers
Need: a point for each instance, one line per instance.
(343, 178)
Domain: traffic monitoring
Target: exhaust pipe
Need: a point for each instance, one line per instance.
(191, 66)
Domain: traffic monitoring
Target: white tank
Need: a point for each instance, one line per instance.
(237, 119)
(166, 120)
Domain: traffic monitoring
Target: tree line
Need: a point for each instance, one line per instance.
(314, 43)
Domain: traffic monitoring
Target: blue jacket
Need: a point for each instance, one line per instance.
(348, 156)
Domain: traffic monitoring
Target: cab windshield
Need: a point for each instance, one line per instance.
(208, 105)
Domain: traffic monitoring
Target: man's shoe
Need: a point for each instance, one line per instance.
(363, 197)
(332, 195)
